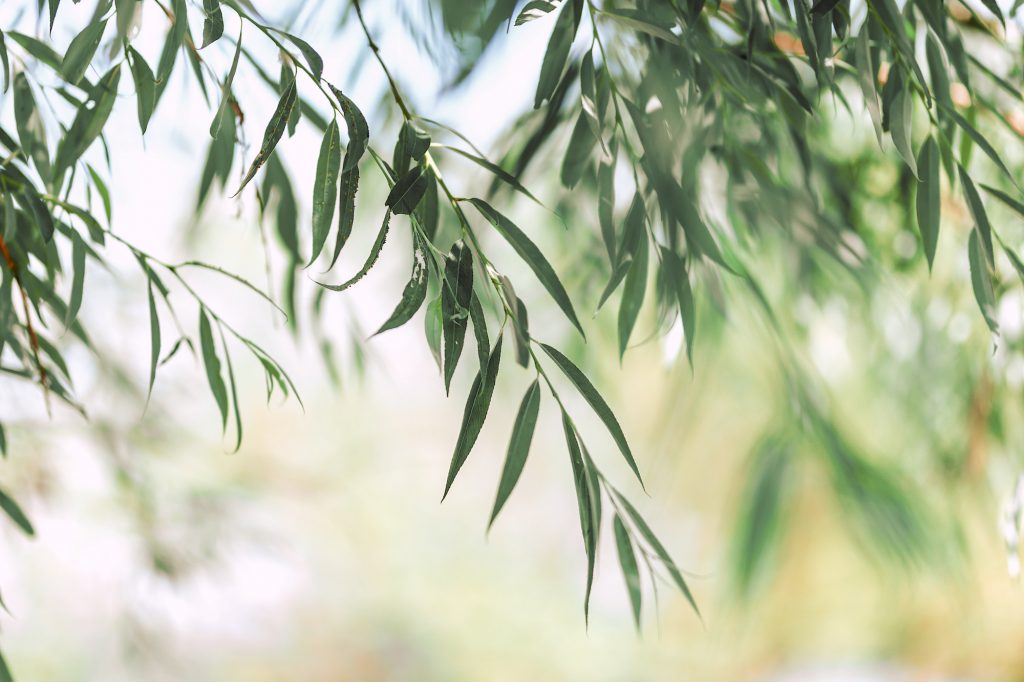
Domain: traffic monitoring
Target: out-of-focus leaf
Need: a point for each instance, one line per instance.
(529, 252)
(577, 154)
(557, 52)
(630, 570)
(78, 253)
(497, 170)
(903, 110)
(518, 447)
(981, 281)
(632, 296)
(13, 510)
(535, 9)
(473, 417)
(225, 90)
(29, 124)
(81, 50)
(154, 340)
(5, 62)
(680, 280)
(928, 198)
(597, 403)
(88, 123)
(977, 209)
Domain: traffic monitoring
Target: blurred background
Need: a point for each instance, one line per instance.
(320, 550)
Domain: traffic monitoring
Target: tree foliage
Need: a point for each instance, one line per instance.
(694, 142)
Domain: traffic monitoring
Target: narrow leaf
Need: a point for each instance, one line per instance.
(630, 570)
(518, 447)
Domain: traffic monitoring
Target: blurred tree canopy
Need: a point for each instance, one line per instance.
(703, 152)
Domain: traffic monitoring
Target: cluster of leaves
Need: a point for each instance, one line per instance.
(698, 114)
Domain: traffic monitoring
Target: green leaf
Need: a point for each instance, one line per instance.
(680, 280)
(1005, 198)
(5, 62)
(902, 112)
(81, 51)
(213, 24)
(312, 57)
(225, 90)
(371, 259)
(211, 362)
(346, 208)
(432, 329)
(636, 20)
(974, 135)
(407, 192)
(606, 205)
(632, 296)
(535, 9)
(577, 154)
(456, 294)
(412, 144)
(29, 125)
(494, 168)
(233, 392)
(415, 291)
(981, 281)
(867, 76)
(154, 340)
(15, 513)
(659, 549)
(5, 672)
(477, 404)
(325, 187)
(557, 52)
(88, 123)
(38, 49)
(272, 135)
(586, 494)
(597, 403)
(78, 253)
(929, 198)
(518, 447)
(358, 131)
(630, 570)
(529, 252)
(145, 86)
(977, 209)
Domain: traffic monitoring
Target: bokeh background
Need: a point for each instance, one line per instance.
(320, 550)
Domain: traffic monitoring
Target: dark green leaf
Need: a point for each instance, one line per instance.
(415, 290)
(407, 192)
(358, 131)
(929, 198)
(213, 23)
(977, 209)
(473, 417)
(903, 111)
(78, 253)
(597, 403)
(154, 341)
(456, 292)
(577, 154)
(529, 252)
(14, 511)
(371, 259)
(325, 187)
(272, 135)
(346, 207)
(518, 447)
